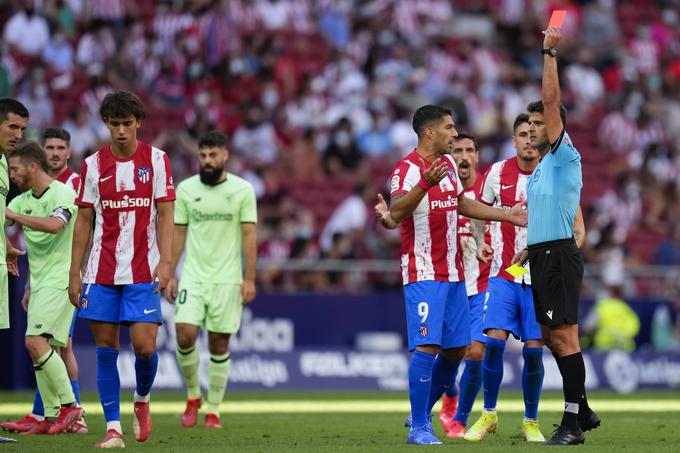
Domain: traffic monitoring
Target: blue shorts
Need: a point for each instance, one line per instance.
(73, 324)
(437, 313)
(477, 306)
(121, 304)
(511, 308)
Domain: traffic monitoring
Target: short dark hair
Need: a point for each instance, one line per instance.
(537, 107)
(9, 105)
(428, 114)
(121, 104)
(521, 118)
(466, 135)
(56, 132)
(212, 139)
(30, 152)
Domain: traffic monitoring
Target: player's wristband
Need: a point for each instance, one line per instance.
(423, 184)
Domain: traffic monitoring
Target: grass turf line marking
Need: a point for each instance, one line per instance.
(362, 406)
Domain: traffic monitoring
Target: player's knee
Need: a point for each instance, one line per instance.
(144, 351)
(185, 341)
(474, 352)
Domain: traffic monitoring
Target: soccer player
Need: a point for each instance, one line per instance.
(427, 196)
(45, 210)
(13, 118)
(126, 188)
(216, 215)
(56, 144)
(553, 193)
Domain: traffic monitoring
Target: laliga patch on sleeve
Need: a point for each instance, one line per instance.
(516, 270)
(557, 18)
(394, 185)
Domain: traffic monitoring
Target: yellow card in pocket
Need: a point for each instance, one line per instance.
(516, 270)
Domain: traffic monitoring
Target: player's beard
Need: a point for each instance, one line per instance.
(211, 177)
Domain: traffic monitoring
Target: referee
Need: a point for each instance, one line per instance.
(553, 193)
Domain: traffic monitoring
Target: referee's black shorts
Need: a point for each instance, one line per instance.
(556, 276)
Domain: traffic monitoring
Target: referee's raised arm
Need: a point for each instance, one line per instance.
(550, 92)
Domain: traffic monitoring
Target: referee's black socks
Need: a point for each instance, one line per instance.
(573, 372)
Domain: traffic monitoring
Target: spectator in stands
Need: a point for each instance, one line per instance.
(348, 219)
(256, 138)
(27, 31)
(37, 100)
(622, 204)
(611, 323)
(341, 154)
(668, 252)
(58, 53)
(84, 137)
(375, 142)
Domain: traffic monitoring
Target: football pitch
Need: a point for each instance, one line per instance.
(357, 421)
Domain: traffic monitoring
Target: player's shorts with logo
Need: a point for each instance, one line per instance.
(477, 306)
(121, 304)
(4, 297)
(511, 308)
(437, 313)
(50, 313)
(556, 277)
(216, 308)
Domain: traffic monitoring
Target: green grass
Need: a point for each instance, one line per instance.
(361, 431)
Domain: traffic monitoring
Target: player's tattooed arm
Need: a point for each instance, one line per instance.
(484, 250)
(579, 228)
(383, 213)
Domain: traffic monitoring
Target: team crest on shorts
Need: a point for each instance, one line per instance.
(83, 303)
(423, 330)
(144, 174)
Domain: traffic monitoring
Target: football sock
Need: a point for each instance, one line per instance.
(218, 375)
(189, 361)
(50, 397)
(452, 390)
(532, 380)
(573, 380)
(108, 383)
(38, 408)
(145, 370)
(419, 379)
(76, 389)
(470, 383)
(55, 370)
(492, 372)
(443, 374)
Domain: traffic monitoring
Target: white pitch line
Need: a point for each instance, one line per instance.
(349, 406)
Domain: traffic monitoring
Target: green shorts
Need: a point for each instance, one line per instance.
(4, 298)
(50, 314)
(216, 308)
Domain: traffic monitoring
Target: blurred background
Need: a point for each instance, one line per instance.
(316, 97)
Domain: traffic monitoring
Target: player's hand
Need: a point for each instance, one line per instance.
(518, 214)
(484, 253)
(11, 259)
(521, 257)
(552, 37)
(381, 211)
(25, 299)
(75, 289)
(170, 292)
(247, 291)
(435, 172)
(162, 274)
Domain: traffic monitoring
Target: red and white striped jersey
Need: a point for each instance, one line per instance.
(429, 247)
(124, 193)
(476, 272)
(505, 185)
(70, 178)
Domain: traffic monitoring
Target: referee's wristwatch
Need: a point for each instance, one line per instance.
(550, 51)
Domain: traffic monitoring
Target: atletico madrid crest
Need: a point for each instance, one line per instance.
(144, 174)
(423, 330)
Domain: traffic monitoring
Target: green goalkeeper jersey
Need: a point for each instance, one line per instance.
(213, 216)
(49, 255)
(4, 190)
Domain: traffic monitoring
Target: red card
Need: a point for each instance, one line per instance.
(557, 19)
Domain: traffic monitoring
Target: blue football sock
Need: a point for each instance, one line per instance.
(452, 390)
(443, 374)
(419, 379)
(492, 371)
(38, 408)
(532, 380)
(108, 382)
(76, 389)
(146, 373)
(470, 383)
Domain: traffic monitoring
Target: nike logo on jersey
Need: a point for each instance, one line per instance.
(549, 314)
(105, 179)
(146, 312)
(503, 187)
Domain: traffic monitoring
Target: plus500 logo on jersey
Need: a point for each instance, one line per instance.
(126, 202)
(444, 204)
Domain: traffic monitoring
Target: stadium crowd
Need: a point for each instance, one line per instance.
(316, 97)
